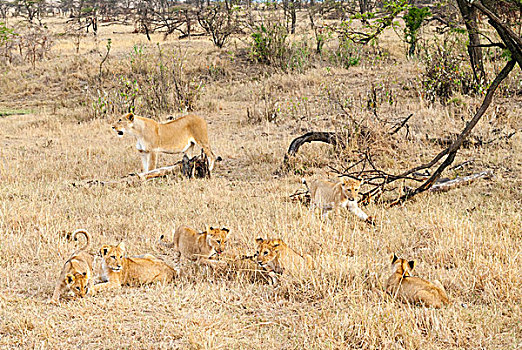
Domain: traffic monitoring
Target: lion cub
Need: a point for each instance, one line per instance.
(197, 246)
(119, 270)
(414, 289)
(77, 276)
(327, 195)
(275, 257)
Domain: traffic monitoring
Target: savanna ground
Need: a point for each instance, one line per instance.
(469, 238)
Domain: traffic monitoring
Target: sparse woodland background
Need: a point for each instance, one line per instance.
(393, 78)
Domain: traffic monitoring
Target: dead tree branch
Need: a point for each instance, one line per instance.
(452, 150)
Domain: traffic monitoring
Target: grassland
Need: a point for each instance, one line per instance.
(469, 238)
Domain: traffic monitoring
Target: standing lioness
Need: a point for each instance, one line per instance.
(175, 136)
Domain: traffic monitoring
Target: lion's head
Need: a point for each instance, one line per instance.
(78, 283)
(113, 256)
(267, 254)
(350, 188)
(217, 239)
(402, 266)
(124, 124)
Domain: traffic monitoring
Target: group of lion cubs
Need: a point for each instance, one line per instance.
(85, 273)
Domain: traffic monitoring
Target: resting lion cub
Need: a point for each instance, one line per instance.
(196, 246)
(414, 289)
(119, 270)
(77, 274)
(327, 195)
(175, 136)
(275, 257)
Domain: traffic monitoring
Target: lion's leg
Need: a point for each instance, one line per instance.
(210, 155)
(145, 160)
(56, 294)
(354, 208)
(153, 160)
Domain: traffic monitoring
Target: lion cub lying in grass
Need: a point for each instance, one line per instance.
(197, 246)
(327, 195)
(77, 276)
(414, 289)
(275, 257)
(119, 270)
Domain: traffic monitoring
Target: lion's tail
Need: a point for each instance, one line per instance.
(303, 181)
(165, 244)
(87, 237)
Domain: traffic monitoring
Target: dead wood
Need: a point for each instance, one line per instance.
(159, 172)
(331, 138)
(443, 186)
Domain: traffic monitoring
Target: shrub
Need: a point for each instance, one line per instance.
(151, 83)
(444, 74)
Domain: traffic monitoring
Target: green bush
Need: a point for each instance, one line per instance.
(413, 20)
(444, 73)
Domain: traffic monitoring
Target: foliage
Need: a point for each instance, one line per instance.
(373, 24)
(444, 73)
(413, 20)
(270, 46)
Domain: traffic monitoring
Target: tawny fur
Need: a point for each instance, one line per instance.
(274, 256)
(414, 290)
(331, 195)
(193, 245)
(119, 270)
(175, 136)
(77, 275)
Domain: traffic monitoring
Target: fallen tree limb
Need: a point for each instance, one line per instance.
(331, 138)
(460, 181)
(159, 172)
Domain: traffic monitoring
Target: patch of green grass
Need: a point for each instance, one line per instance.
(8, 112)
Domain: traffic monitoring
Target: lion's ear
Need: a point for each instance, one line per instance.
(130, 117)
(226, 229)
(362, 182)
(70, 278)
(259, 239)
(122, 246)
(104, 249)
(394, 258)
(411, 264)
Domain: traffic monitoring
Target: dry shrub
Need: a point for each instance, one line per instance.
(151, 82)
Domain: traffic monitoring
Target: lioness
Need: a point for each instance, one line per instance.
(119, 270)
(192, 245)
(77, 276)
(413, 289)
(275, 257)
(327, 195)
(175, 136)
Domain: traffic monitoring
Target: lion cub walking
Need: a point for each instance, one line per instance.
(414, 289)
(174, 136)
(119, 270)
(327, 195)
(195, 245)
(77, 276)
(275, 257)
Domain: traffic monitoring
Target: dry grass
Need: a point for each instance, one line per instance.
(468, 238)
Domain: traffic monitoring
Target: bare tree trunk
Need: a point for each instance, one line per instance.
(469, 14)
